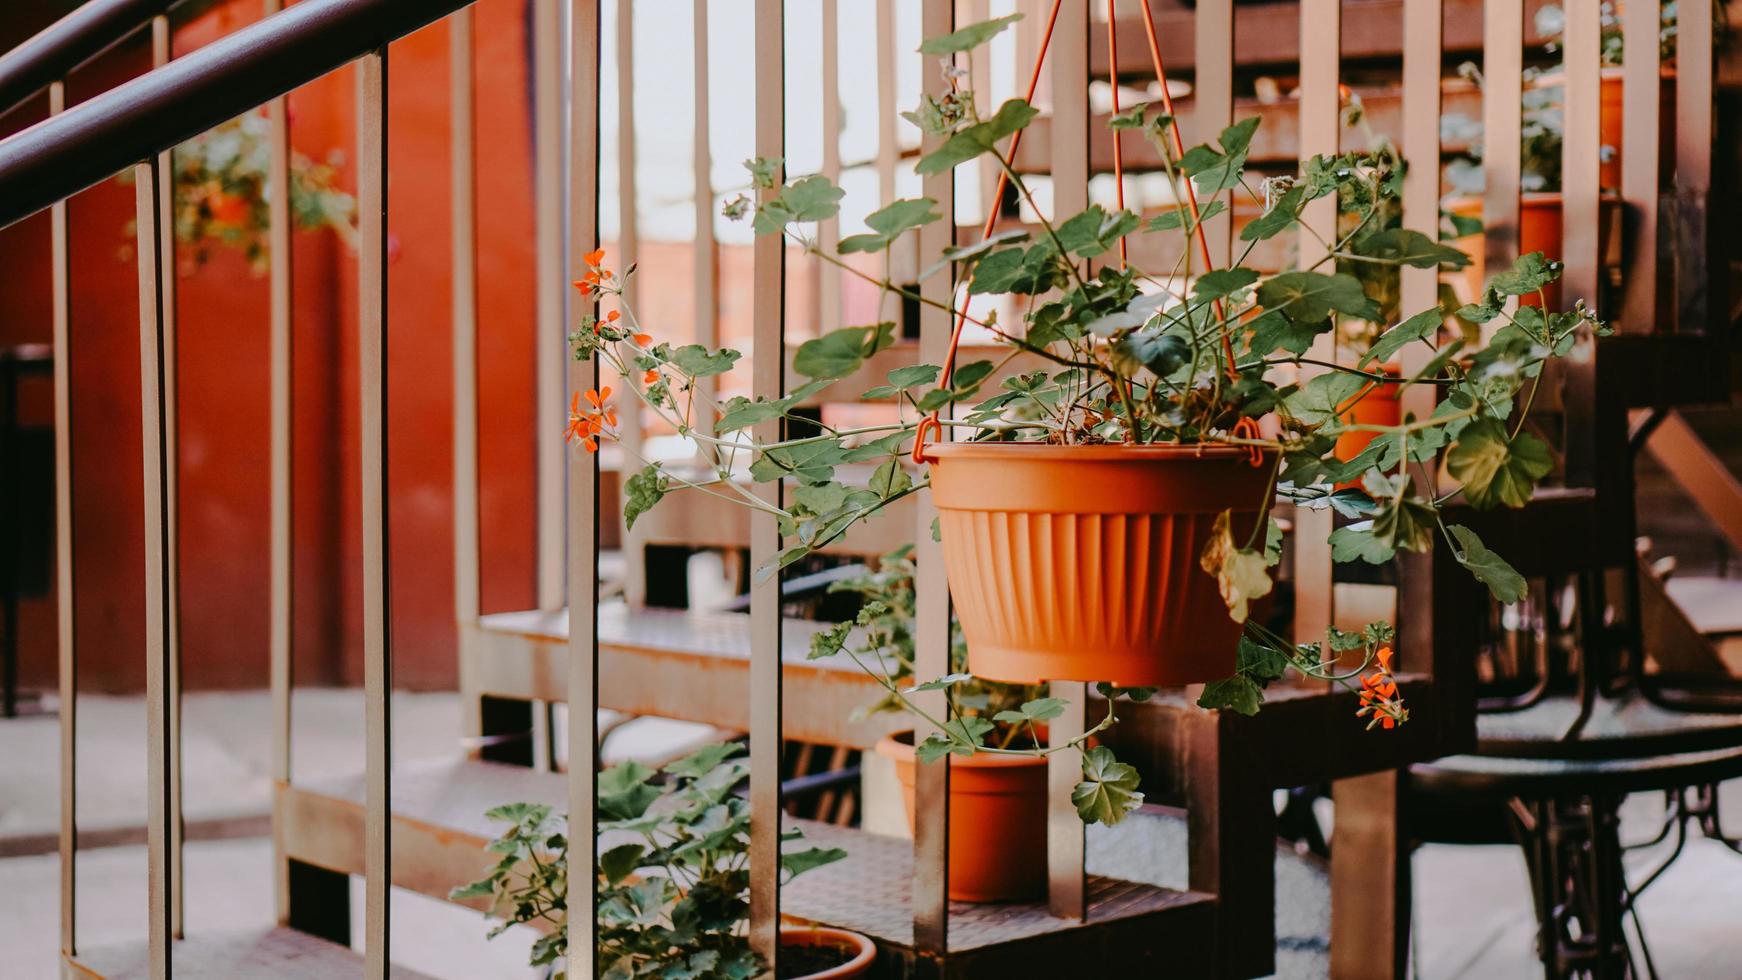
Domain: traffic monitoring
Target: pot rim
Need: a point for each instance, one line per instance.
(867, 950)
(1117, 452)
(892, 746)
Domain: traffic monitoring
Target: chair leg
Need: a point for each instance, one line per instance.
(1370, 881)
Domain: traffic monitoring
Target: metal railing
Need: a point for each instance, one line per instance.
(137, 123)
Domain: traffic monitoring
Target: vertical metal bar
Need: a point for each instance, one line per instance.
(767, 307)
(1069, 54)
(65, 601)
(629, 252)
(1580, 153)
(1321, 33)
(1213, 99)
(463, 198)
(583, 477)
(160, 56)
(887, 150)
(829, 230)
(705, 280)
(1502, 116)
(550, 356)
(160, 871)
(1423, 26)
(1694, 98)
(282, 586)
(1640, 167)
(931, 824)
(372, 395)
(981, 10)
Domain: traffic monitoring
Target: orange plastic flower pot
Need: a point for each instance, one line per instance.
(1081, 563)
(1378, 406)
(997, 821)
(862, 954)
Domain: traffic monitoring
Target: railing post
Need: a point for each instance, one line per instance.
(551, 332)
(1502, 117)
(65, 602)
(1640, 167)
(1321, 35)
(931, 791)
(768, 380)
(583, 493)
(282, 586)
(463, 199)
(1065, 884)
(705, 278)
(829, 229)
(1694, 98)
(158, 748)
(377, 610)
(1213, 106)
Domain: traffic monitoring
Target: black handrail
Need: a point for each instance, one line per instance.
(90, 142)
(67, 43)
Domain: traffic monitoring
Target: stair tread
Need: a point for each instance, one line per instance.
(1713, 605)
(278, 952)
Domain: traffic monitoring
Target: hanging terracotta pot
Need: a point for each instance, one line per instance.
(1081, 563)
(851, 954)
(997, 821)
(1377, 404)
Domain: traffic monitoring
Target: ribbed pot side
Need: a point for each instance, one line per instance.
(1081, 563)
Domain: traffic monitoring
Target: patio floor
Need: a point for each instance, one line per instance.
(1472, 920)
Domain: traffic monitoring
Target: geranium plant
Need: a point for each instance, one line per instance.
(673, 896)
(1214, 361)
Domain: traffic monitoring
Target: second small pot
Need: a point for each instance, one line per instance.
(997, 821)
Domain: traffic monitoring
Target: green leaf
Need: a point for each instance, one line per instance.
(890, 479)
(822, 498)
(968, 38)
(1260, 662)
(1490, 569)
(1220, 282)
(1109, 788)
(1238, 693)
(1015, 270)
(1319, 399)
(623, 791)
(702, 761)
(1214, 171)
(764, 171)
(1530, 273)
(839, 353)
(698, 362)
(798, 862)
(1495, 469)
(1272, 331)
(1311, 296)
(1162, 353)
(620, 862)
(1352, 544)
(942, 683)
(913, 375)
(827, 643)
(643, 490)
(935, 747)
(1094, 231)
(812, 462)
(887, 224)
(1281, 216)
(1418, 327)
(1040, 709)
(482, 888)
(1179, 217)
(1241, 574)
(979, 248)
(978, 138)
(1412, 248)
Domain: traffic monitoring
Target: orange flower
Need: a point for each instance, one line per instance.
(1384, 657)
(612, 316)
(585, 426)
(594, 257)
(643, 339)
(650, 377)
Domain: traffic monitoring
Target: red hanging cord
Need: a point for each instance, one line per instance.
(931, 421)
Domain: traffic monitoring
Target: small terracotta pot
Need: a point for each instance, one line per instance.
(1378, 405)
(1081, 563)
(864, 953)
(997, 821)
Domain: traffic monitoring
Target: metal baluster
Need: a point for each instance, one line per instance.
(629, 253)
(1213, 101)
(1640, 167)
(551, 333)
(462, 142)
(705, 279)
(160, 56)
(829, 230)
(767, 381)
(1321, 33)
(1069, 54)
(583, 484)
(1694, 99)
(1580, 158)
(282, 586)
(158, 750)
(931, 791)
(1502, 117)
(65, 604)
(377, 610)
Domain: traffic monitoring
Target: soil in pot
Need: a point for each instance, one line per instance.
(997, 821)
(823, 953)
(1081, 563)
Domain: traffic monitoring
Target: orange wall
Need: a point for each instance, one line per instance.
(222, 322)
